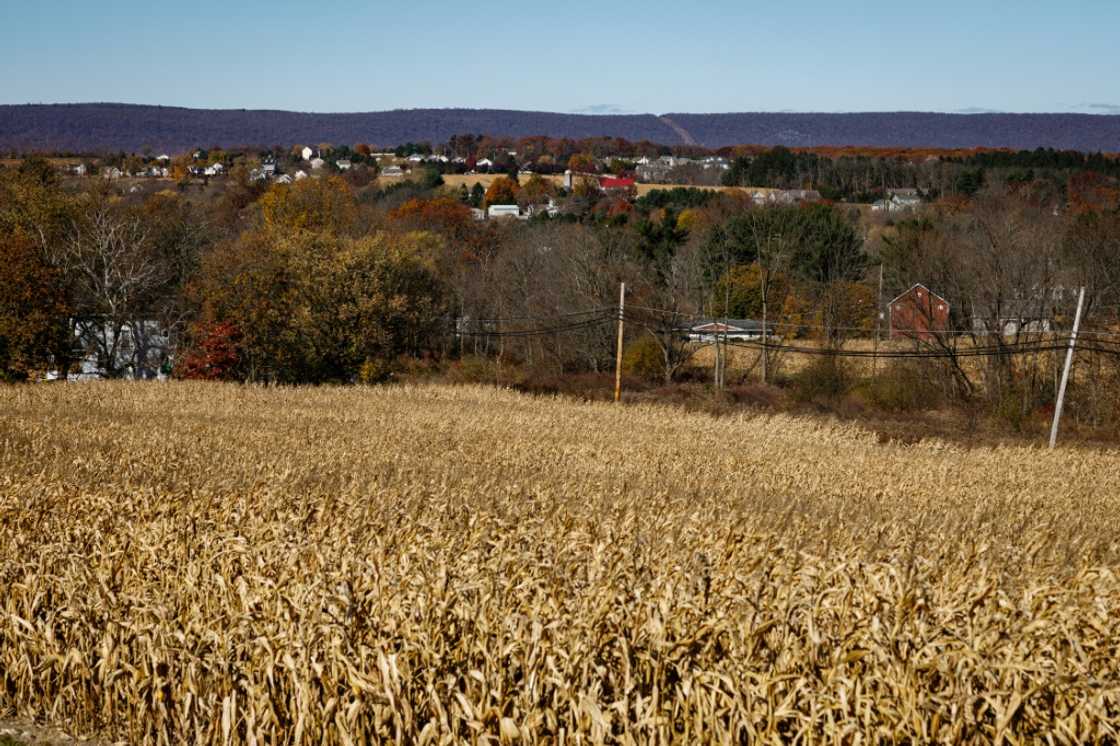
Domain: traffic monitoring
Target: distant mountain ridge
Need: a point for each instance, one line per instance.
(132, 127)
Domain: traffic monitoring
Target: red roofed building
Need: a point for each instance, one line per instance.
(919, 313)
(612, 182)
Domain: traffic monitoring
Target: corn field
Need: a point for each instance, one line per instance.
(222, 564)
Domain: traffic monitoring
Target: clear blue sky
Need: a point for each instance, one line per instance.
(566, 55)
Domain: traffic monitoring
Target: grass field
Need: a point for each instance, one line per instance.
(217, 564)
(454, 181)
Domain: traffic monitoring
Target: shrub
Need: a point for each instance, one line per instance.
(824, 378)
(642, 358)
(902, 387)
(375, 370)
(214, 356)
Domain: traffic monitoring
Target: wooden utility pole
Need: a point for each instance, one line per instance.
(618, 353)
(721, 350)
(1065, 370)
(878, 324)
(765, 352)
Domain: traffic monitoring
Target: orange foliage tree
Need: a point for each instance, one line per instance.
(502, 191)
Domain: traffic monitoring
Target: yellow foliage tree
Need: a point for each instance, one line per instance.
(312, 204)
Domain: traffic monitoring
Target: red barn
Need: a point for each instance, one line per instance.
(919, 313)
(614, 182)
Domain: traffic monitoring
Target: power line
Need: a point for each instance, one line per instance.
(578, 326)
(555, 317)
(1022, 349)
(865, 330)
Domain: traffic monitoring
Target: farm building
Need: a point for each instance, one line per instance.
(503, 211)
(709, 329)
(615, 182)
(919, 313)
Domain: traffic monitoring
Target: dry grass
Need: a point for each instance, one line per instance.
(195, 563)
(454, 181)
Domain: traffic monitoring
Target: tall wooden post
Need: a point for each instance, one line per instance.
(765, 351)
(618, 352)
(878, 324)
(1065, 370)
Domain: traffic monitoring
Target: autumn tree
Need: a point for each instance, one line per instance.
(537, 190)
(35, 292)
(312, 306)
(582, 163)
(34, 307)
(502, 191)
(310, 204)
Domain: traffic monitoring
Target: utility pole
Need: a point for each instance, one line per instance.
(1065, 370)
(720, 352)
(618, 353)
(878, 324)
(765, 351)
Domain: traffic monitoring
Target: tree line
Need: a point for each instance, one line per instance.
(326, 281)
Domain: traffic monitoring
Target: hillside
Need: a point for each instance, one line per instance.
(1086, 132)
(109, 127)
(101, 127)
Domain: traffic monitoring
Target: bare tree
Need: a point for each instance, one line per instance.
(107, 252)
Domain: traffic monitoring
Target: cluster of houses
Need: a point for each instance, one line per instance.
(657, 170)
(898, 200)
(156, 168)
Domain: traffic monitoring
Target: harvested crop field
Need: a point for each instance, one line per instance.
(205, 563)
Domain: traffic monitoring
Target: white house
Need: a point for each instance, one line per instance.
(416, 158)
(710, 330)
(392, 171)
(307, 153)
(900, 200)
(551, 209)
(214, 170)
(343, 165)
(484, 163)
(300, 175)
(503, 211)
(163, 158)
(284, 179)
(135, 349)
(317, 163)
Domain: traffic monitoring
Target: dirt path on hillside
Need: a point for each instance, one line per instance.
(681, 131)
